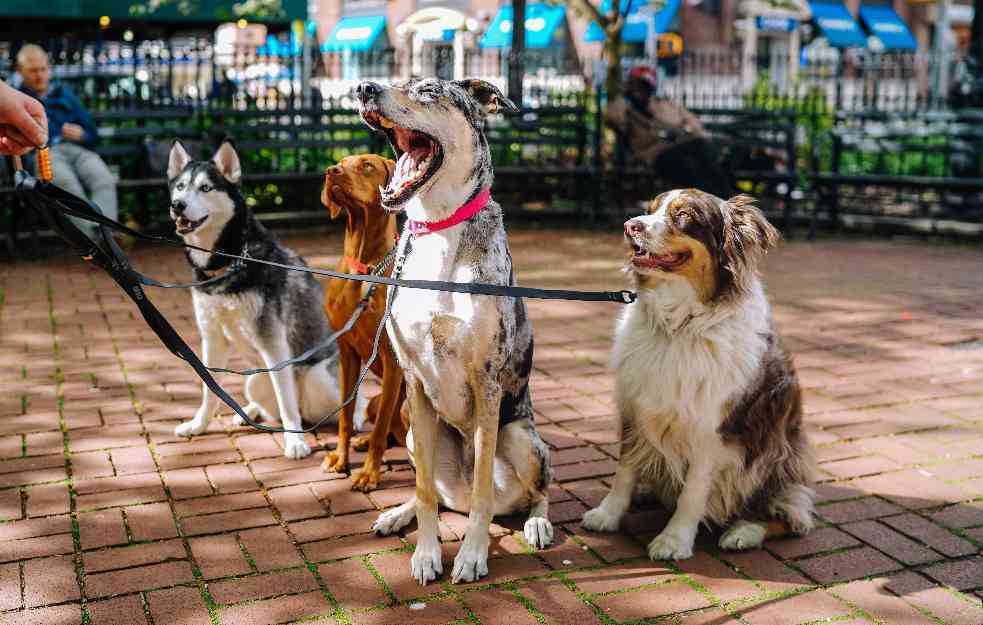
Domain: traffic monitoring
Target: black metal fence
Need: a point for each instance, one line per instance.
(557, 156)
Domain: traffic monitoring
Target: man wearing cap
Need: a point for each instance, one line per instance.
(665, 135)
(71, 135)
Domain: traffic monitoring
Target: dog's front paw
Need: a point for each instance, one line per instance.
(470, 565)
(743, 535)
(668, 546)
(391, 521)
(335, 462)
(361, 443)
(538, 532)
(425, 564)
(194, 427)
(295, 447)
(365, 480)
(600, 520)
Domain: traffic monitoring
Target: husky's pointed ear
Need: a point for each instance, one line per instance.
(177, 161)
(488, 96)
(228, 162)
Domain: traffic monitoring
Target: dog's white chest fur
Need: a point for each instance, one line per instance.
(436, 332)
(236, 315)
(678, 367)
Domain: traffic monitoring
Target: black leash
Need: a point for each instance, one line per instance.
(49, 201)
(473, 288)
(362, 305)
(236, 265)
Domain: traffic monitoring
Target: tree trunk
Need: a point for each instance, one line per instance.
(612, 53)
(517, 52)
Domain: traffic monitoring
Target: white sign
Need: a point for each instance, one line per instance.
(357, 33)
(534, 24)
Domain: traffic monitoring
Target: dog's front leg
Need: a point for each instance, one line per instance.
(675, 542)
(607, 516)
(285, 386)
(214, 353)
(392, 395)
(471, 562)
(349, 365)
(426, 563)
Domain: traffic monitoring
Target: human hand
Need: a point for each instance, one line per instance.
(73, 132)
(23, 124)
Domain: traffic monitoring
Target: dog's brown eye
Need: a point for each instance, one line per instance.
(368, 166)
(205, 188)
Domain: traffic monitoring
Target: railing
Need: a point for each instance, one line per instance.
(845, 80)
(192, 71)
(190, 74)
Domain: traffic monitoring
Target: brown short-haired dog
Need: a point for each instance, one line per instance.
(352, 186)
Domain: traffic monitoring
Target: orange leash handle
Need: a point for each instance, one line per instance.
(44, 164)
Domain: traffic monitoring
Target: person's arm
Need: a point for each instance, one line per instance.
(89, 135)
(23, 124)
(691, 123)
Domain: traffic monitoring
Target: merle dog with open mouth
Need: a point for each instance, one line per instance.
(466, 358)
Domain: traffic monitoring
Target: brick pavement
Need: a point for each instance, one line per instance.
(105, 517)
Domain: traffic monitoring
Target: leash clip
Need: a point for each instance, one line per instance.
(628, 297)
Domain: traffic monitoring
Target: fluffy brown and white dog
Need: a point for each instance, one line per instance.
(710, 405)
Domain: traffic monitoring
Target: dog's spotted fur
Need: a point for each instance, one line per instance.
(466, 359)
(710, 406)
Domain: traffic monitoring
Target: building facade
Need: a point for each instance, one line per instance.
(451, 37)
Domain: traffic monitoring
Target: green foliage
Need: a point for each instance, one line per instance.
(814, 118)
(920, 156)
(253, 9)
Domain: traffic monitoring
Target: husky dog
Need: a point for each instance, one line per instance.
(466, 359)
(710, 404)
(275, 311)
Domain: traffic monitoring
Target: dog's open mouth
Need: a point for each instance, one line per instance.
(641, 257)
(183, 225)
(419, 156)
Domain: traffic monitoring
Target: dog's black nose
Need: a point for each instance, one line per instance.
(634, 227)
(367, 90)
(178, 207)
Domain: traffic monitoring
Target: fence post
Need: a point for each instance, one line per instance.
(834, 205)
(596, 160)
(517, 51)
(790, 146)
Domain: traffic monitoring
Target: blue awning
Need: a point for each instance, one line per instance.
(838, 25)
(636, 24)
(887, 26)
(357, 34)
(542, 25)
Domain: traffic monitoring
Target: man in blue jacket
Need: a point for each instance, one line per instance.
(71, 134)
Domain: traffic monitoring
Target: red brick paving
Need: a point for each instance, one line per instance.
(223, 529)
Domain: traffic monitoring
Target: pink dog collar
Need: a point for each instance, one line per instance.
(465, 212)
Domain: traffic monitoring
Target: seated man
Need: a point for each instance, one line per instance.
(666, 136)
(71, 134)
